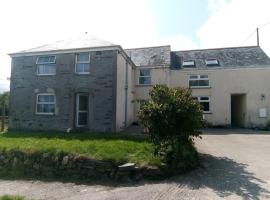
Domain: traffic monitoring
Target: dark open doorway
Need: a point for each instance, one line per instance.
(238, 110)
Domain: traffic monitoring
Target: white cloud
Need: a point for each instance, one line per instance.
(30, 23)
(129, 23)
(233, 22)
(36, 22)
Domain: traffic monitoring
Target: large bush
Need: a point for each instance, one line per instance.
(172, 118)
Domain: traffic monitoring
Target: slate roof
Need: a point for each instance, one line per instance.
(150, 56)
(227, 57)
(73, 43)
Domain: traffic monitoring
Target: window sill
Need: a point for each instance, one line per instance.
(146, 85)
(82, 74)
(207, 112)
(46, 75)
(45, 114)
(202, 87)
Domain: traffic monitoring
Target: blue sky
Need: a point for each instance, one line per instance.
(183, 24)
(180, 16)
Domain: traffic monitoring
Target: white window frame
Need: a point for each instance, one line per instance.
(81, 111)
(211, 62)
(198, 78)
(51, 103)
(188, 63)
(82, 62)
(199, 99)
(50, 63)
(148, 76)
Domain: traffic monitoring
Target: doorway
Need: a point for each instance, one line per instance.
(82, 110)
(238, 110)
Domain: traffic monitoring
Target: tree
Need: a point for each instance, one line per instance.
(172, 118)
(4, 103)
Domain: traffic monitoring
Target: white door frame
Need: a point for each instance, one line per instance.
(81, 111)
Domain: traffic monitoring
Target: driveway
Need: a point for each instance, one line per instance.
(236, 165)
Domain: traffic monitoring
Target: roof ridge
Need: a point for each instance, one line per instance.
(148, 47)
(220, 48)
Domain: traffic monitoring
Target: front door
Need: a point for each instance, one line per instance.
(82, 110)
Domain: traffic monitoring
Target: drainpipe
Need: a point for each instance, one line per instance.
(126, 93)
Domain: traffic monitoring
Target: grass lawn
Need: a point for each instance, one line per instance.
(101, 146)
(8, 197)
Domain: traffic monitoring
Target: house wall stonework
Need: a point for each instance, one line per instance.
(100, 84)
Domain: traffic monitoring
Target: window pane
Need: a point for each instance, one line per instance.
(45, 59)
(193, 77)
(83, 103)
(205, 106)
(203, 82)
(46, 69)
(193, 83)
(145, 72)
(46, 99)
(204, 98)
(203, 76)
(189, 63)
(82, 119)
(83, 57)
(211, 62)
(86, 67)
(79, 68)
(46, 108)
(52, 59)
(82, 67)
(145, 80)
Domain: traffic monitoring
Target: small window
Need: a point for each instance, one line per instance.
(212, 62)
(46, 65)
(198, 81)
(46, 60)
(45, 104)
(204, 102)
(144, 77)
(188, 63)
(82, 65)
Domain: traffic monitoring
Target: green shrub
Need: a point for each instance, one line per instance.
(172, 118)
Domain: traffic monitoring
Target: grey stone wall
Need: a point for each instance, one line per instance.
(100, 84)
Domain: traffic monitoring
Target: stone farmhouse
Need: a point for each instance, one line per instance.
(91, 84)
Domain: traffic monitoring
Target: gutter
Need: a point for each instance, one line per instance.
(126, 94)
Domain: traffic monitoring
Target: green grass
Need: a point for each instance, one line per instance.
(8, 197)
(101, 146)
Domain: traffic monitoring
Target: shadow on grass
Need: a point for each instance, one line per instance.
(76, 136)
(225, 177)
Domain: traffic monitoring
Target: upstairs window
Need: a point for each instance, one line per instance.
(45, 104)
(144, 77)
(188, 63)
(82, 65)
(46, 65)
(204, 102)
(198, 81)
(211, 62)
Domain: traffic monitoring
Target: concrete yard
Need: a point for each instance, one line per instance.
(236, 165)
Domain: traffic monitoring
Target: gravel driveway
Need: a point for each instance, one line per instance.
(236, 165)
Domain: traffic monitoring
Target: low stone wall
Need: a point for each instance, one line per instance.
(74, 167)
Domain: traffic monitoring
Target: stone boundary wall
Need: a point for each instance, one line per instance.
(74, 167)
